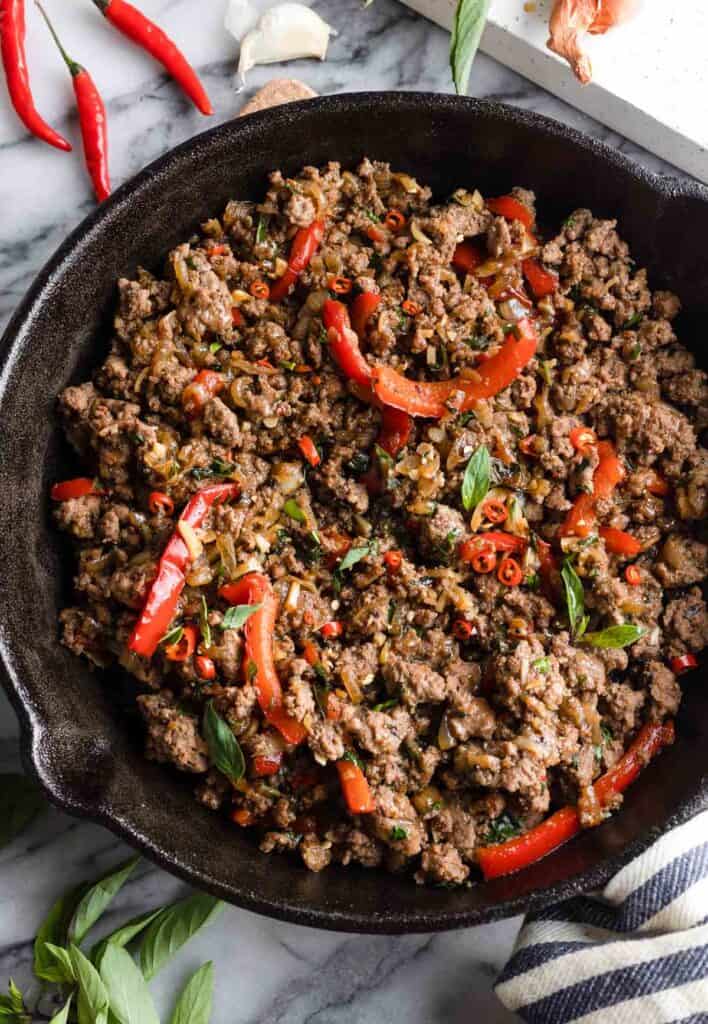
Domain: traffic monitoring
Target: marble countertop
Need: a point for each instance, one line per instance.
(312, 975)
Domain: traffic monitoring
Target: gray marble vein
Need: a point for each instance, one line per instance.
(267, 972)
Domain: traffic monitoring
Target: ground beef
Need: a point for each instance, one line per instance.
(409, 683)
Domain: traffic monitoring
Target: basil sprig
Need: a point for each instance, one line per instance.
(467, 28)
(224, 749)
(475, 482)
(574, 600)
(615, 636)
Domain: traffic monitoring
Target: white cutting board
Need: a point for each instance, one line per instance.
(650, 76)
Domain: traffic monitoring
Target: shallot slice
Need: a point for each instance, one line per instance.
(571, 19)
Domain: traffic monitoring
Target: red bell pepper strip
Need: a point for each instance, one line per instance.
(515, 854)
(511, 209)
(467, 257)
(77, 488)
(608, 473)
(263, 766)
(309, 450)
(620, 543)
(304, 246)
(167, 586)
(396, 427)
(428, 399)
(255, 588)
(358, 796)
(362, 309)
(343, 342)
(541, 281)
(683, 663)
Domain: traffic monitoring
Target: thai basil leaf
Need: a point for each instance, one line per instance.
(204, 626)
(93, 1002)
(574, 596)
(355, 555)
(20, 801)
(236, 616)
(175, 925)
(292, 509)
(131, 1002)
(475, 482)
(224, 749)
(12, 1006)
(194, 1003)
(125, 934)
(615, 636)
(467, 29)
(64, 969)
(93, 903)
(53, 931)
(62, 1016)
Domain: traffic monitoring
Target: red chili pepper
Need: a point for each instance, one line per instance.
(393, 560)
(77, 488)
(394, 220)
(396, 427)
(428, 399)
(657, 485)
(204, 386)
(241, 816)
(375, 234)
(510, 572)
(309, 450)
(484, 560)
(259, 289)
(495, 510)
(495, 540)
(547, 565)
(92, 119)
(167, 586)
(149, 36)
(608, 473)
(620, 543)
(343, 342)
(310, 652)
(527, 445)
(332, 629)
(204, 667)
(462, 629)
(541, 281)
(583, 439)
(683, 663)
(339, 285)
(184, 648)
(511, 209)
(305, 244)
(236, 317)
(362, 308)
(158, 501)
(467, 257)
(255, 588)
(14, 60)
(515, 854)
(633, 575)
(411, 308)
(355, 788)
(270, 765)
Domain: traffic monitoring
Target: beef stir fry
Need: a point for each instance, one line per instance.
(392, 509)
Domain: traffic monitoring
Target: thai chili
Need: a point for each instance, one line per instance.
(304, 246)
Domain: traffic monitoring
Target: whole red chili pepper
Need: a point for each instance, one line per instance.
(12, 47)
(92, 118)
(133, 24)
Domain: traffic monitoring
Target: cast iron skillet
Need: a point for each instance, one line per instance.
(77, 732)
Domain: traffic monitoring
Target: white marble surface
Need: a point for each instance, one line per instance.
(266, 971)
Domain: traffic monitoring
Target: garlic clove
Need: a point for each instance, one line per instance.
(287, 31)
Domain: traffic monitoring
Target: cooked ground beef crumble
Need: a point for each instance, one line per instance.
(444, 670)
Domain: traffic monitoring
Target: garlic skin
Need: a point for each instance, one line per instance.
(286, 31)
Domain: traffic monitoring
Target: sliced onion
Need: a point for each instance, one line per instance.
(288, 476)
(446, 741)
(512, 309)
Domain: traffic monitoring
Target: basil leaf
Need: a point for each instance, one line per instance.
(93, 1001)
(615, 636)
(262, 229)
(64, 969)
(131, 1002)
(292, 509)
(236, 616)
(175, 925)
(12, 1006)
(53, 931)
(62, 1016)
(467, 31)
(123, 935)
(475, 482)
(355, 555)
(20, 801)
(224, 749)
(172, 636)
(93, 903)
(204, 626)
(574, 596)
(194, 1003)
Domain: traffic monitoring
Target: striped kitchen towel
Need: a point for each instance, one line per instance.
(636, 953)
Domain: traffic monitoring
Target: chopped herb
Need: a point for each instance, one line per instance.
(292, 509)
(190, 263)
(358, 464)
(376, 261)
(633, 321)
(311, 550)
(136, 438)
(541, 665)
(261, 229)
(574, 596)
(287, 364)
(533, 581)
(238, 615)
(214, 347)
(386, 705)
(217, 467)
(568, 222)
(349, 755)
(635, 352)
(464, 419)
(173, 636)
(320, 671)
(478, 342)
(615, 636)
(607, 734)
(374, 217)
(398, 833)
(502, 828)
(204, 621)
(355, 555)
(475, 482)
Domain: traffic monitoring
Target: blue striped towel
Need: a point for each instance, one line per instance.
(635, 953)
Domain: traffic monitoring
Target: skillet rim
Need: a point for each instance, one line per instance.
(32, 731)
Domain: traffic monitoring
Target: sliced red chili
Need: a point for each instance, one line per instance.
(511, 209)
(394, 220)
(494, 540)
(184, 648)
(495, 510)
(259, 289)
(393, 560)
(462, 629)
(304, 246)
(683, 663)
(510, 572)
(310, 653)
(583, 439)
(309, 450)
(633, 575)
(204, 667)
(541, 281)
(339, 285)
(159, 502)
(79, 487)
(332, 629)
(484, 560)
(241, 816)
(411, 308)
(528, 446)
